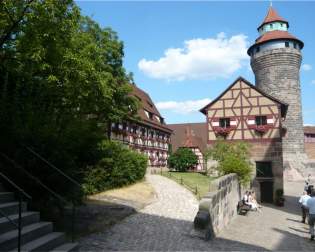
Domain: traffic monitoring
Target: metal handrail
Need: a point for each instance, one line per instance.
(51, 165)
(10, 220)
(21, 194)
(56, 195)
(15, 185)
(34, 178)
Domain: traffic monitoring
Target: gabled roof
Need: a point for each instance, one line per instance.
(272, 16)
(284, 106)
(146, 104)
(198, 137)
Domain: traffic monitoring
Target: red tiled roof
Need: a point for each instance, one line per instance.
(272, 16)
(275, 35)
(309, 129)
(197, 138)
(272, 35)
(147, 104)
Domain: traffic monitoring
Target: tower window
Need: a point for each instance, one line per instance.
(261, 120)
(257, 49)
(295, 45)
(286, 44)
(224, 122)
(271, 25)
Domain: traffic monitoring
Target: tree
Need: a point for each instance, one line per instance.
(182, 159)
(232, 158)
(62, 83)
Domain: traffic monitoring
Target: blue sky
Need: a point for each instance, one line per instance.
(184, 54)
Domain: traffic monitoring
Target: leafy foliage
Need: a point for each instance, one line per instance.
(232, 158)
(62, 84)
(118, 167)
(182, 159)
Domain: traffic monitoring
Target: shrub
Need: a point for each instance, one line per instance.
(232, 158)
(119, 166)
(182, 159)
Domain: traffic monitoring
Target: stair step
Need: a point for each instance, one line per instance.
(9, 240)
(67, 247)
(12, 207)
(6, 197)
(44, 243)
(27, 219)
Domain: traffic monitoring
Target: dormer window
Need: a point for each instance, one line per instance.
(224, 122)
(261, 120)
(151, 116)
(146, 113)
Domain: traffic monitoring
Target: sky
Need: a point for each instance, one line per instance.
(185, 53)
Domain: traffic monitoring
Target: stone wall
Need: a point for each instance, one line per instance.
(219, 206)
(277, 72)
(269, 152)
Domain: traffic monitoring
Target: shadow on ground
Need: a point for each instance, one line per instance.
(143, 232)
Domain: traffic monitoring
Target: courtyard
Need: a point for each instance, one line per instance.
(167, 224)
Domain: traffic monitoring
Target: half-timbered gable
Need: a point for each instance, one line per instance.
(243, 112)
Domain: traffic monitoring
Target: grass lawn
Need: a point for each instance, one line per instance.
(192, 181)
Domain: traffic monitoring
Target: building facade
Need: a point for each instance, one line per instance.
(149, 134)
(245, 113)
(184, 137)
(276, 59)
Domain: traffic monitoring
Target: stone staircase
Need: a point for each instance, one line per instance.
(36, 235)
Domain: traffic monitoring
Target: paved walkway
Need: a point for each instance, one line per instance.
(166, 225)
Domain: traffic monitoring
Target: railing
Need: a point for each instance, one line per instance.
(21, 194)
(41, 184)
(73, 205)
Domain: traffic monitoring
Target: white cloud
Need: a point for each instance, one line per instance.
(306, 67)
(200, 59)
(183, 107)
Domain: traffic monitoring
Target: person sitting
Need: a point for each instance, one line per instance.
(255, 200)
(245, 199)
(252, 202)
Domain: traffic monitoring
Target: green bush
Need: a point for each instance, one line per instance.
(119, 166)
(232, 158)
(182, 159)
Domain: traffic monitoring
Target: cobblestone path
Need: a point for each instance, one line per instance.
(166, 225)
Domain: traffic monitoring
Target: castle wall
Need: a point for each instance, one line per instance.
(277, 73)
(268, 152)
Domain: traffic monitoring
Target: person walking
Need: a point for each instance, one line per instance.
(311, 217)
(303, 199)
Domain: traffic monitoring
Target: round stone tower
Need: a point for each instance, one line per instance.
(276, 59)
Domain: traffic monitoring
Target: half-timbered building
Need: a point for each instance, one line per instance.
(245, 113)
(149, 134)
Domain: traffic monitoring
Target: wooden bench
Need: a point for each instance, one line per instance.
(242, 208)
